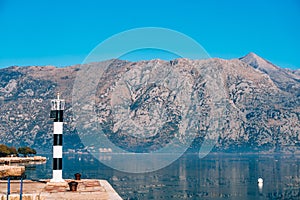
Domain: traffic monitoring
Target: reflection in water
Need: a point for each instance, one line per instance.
(213, 177)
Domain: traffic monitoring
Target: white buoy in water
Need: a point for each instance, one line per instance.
(260, 183)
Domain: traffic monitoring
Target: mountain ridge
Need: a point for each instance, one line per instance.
(263, 102)
(285, 79)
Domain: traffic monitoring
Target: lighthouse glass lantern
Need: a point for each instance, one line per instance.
(57, 107)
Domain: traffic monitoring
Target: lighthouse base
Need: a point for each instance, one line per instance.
(57, 177)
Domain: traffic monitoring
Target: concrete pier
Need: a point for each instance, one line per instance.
(3, 160)
(87, 189)
(6, 171)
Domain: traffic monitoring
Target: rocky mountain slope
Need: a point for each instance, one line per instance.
(262, 104)
(284, 79)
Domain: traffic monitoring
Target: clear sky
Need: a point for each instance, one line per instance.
(57, 32)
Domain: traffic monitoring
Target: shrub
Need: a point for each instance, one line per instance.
(26, 151)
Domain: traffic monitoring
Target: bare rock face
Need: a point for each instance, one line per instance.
(141, 106)
(25, 107)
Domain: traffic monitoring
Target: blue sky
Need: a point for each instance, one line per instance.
(64, 32)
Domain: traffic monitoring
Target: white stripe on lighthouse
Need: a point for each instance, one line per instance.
(57, 176)
(58, 128)
(57, 151)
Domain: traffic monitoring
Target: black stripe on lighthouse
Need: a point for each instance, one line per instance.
(59, 116)
(57, 140)
(57, 163)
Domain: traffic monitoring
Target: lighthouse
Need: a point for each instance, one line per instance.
(57, 111)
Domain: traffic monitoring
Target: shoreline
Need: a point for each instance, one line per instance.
(4, 160)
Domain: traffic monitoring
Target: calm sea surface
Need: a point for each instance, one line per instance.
(217, 176)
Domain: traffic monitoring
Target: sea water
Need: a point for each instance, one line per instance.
(217, 176)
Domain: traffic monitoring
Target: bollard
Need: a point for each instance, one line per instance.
(73, 186)
(77, 176)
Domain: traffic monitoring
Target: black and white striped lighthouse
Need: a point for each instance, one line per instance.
(57, 111)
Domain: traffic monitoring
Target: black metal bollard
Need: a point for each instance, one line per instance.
(77, 176)
(73, 186)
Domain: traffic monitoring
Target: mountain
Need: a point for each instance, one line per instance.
(132, 99)
(284, 79)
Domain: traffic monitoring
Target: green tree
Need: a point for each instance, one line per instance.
(4, 150)
(13, 151)
(26, 151)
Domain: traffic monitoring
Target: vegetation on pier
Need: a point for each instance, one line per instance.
(7, 151)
